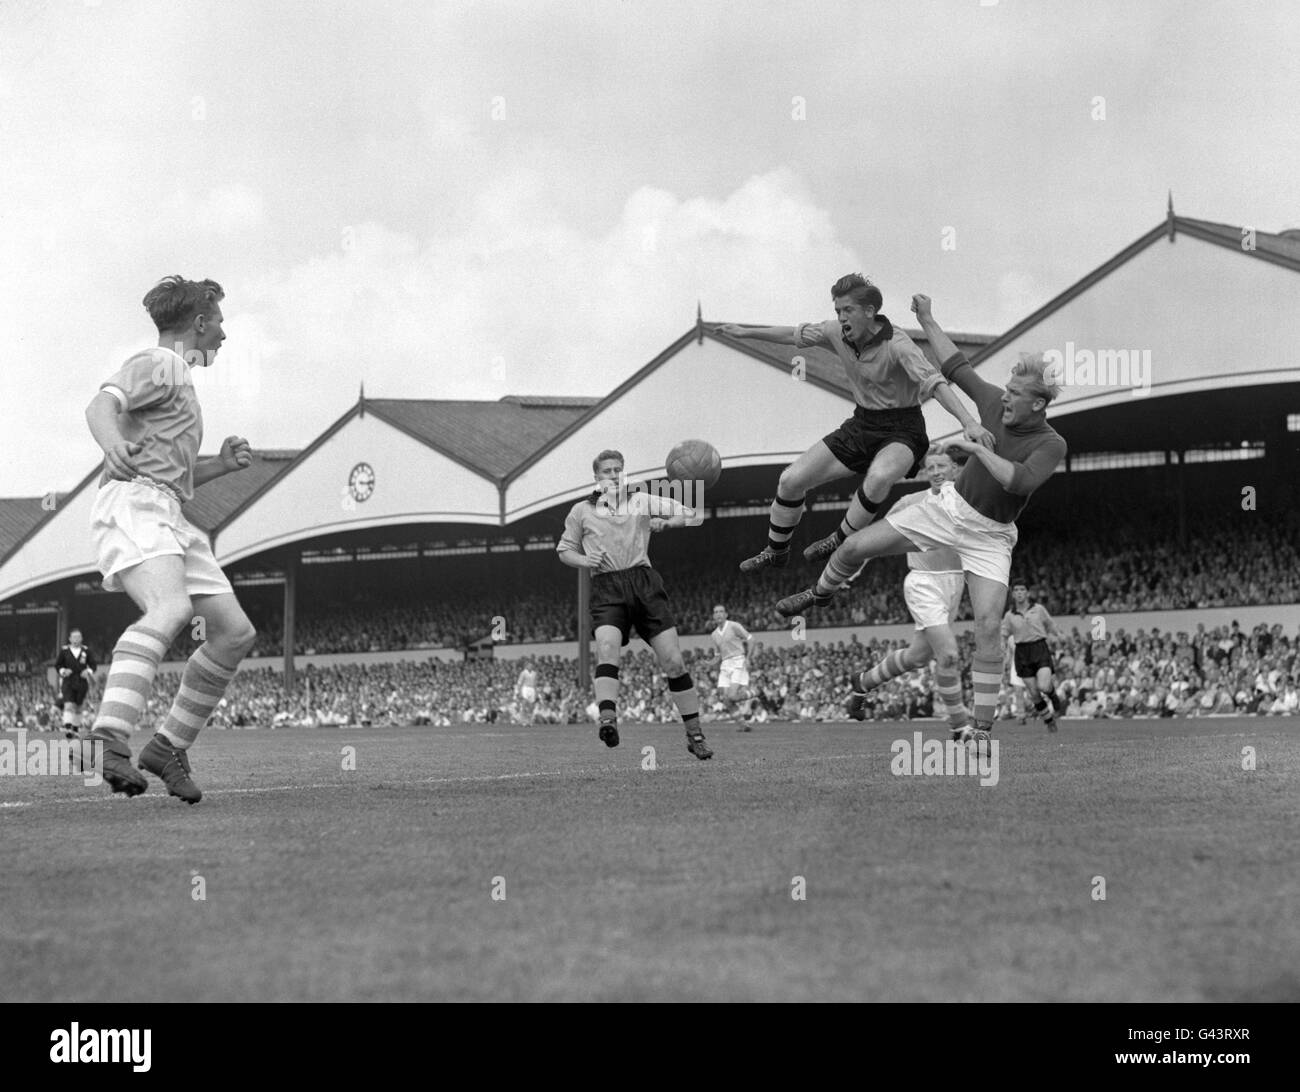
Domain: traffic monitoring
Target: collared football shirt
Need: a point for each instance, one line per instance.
(160, 411)
(888, 372)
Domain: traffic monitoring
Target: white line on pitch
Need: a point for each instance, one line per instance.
(383, 784)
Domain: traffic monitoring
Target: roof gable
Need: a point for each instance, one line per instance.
(490, 438)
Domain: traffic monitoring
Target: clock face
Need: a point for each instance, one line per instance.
(361, 482)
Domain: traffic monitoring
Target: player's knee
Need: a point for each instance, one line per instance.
(169, 616)
(988, 631)
(878, 482)
(946, 659)
(241, 637)
(790, 484)
(673, 666)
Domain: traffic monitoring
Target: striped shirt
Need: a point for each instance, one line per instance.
(1034, 625)
(160, 411)
(730, 637)
(1037, 449)
(621, 530)
(888, 372)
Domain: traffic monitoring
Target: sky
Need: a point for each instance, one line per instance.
(467, 200)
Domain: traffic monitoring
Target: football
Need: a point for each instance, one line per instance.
(694, 460)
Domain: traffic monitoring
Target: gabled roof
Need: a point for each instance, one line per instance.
(1282, 248)
(1277, 249)
(23, 523)
(215, 501)
(18, 515)
(490, 438)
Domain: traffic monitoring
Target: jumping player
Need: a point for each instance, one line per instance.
(608, 533)
(885, 437)
(76, 666)
(146, 418)
(932, 590)
(526, 693)
(1029, 626)
(731, 640)
(977, 515)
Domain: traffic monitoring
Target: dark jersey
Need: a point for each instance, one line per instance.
(77, 661)
(1037, 450)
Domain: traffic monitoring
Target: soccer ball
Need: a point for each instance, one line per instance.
(694, 460)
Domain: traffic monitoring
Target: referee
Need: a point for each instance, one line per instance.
(76, 667)
(1029, 625)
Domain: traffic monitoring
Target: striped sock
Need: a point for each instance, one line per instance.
(687, 700)
(986, 677)
(783, 518)
(838, 572)
(136, 657)
(606, 686)
(203, 683)
(862, 510)
(890, 667)
(947, 684)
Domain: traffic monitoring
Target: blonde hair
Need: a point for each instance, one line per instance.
(1039, 376)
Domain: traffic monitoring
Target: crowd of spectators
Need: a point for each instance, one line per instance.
(1141, 674)
(1113, 562)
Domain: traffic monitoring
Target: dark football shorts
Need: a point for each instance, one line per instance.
(74, 689)
(631, 599)
(856, 442)
(1031, 656)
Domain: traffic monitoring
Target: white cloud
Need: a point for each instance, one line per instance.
(567, 309)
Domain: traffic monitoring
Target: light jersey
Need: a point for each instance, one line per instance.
(527, 680)
(730, 637)
(160, 411)
(889, 372)
(622, 531)
(942, 559)
(1034, 625)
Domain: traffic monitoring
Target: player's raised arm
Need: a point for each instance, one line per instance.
(970, 427)
(956, 368)
(782, 335)
(666, 513)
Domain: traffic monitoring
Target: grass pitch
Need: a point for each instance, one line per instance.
(620, 883)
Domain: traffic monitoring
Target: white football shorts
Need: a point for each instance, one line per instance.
(132, 522)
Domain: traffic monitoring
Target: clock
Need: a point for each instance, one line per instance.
(361, 482)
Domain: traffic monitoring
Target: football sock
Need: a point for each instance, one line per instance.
(947, 685)
(782, 520)
(838, 571)
(986, 677)
(136, 657)
(862, 510)
(687, 700)
(606, 682)
(1044, 708)
(890, 667)
(203, 684)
